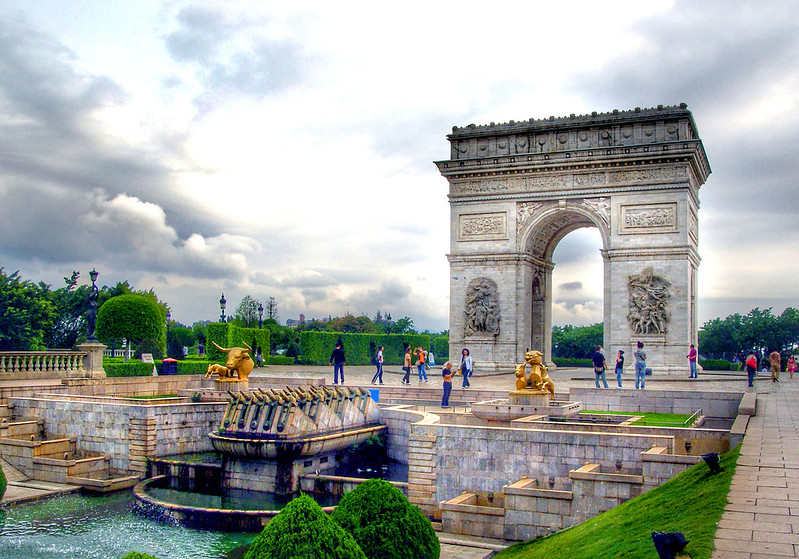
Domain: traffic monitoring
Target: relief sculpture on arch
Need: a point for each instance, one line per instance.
(482, 307)
(649, 303)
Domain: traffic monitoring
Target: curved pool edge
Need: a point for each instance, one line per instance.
(226, 520)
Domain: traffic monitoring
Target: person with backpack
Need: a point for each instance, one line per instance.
(379, 364)
(420, 364)
(600, 365)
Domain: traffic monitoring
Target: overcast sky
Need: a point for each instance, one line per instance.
(286, 149)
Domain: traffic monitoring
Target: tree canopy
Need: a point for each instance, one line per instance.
(26, 313)
(133, 316)
(759, 330)
(577, 342)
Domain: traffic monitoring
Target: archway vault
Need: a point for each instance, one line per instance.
(517, 189)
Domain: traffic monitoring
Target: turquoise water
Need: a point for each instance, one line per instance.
(103, 527)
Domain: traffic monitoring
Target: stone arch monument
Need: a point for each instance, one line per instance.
(517, 189)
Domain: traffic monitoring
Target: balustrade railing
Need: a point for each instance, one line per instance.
(57, 362)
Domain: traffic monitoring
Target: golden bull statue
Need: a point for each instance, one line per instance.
(238, 361)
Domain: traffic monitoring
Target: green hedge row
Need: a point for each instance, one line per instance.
(717, 365)
(572, 362)
(278, 360)
(359, 349)
(135, 368)
(440, 348)
(230, 335)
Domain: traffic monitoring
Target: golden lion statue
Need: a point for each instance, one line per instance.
(538, 378)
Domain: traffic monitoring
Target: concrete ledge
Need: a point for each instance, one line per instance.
(748, 405)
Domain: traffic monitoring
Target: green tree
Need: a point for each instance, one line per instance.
(247, 313)
(177, 338)
(350, 324)
(134, 317)
(576, 342)
(26, 313)
(69, 314)
(385, 523)
(403, 325)
(302, 530)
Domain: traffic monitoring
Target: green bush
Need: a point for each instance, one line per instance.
(230, 335)
(715, 364)
(135, 368)
(2, 483)
(572, 362)
(385, 523)
(316, 347)
(302, 530)
(440, 348)
(278, 360)
(137, 555)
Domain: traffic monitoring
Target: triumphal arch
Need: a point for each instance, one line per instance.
(516, 189)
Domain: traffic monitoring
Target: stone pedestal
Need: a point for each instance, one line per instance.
(529, 398)
(235, 385)
(93, 361)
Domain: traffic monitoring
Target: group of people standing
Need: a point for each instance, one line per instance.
(600, 365)
(774, 366)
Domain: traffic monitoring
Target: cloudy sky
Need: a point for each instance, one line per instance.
(286, 149)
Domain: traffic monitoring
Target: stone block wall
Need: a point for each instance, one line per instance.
(596, 492)
(127, 433)
(134, 386)
(713, 404)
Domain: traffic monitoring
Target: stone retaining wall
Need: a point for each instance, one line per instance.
(713, 404)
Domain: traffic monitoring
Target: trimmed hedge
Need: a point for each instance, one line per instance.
(316, 347)
(385, 523)
(135, 368)
(440, 348)
(278, 360)
(302, 529)
(572, 362)
(230, 335)
(717, 365)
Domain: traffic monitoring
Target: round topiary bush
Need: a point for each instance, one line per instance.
(2, 482)
(385, 523)
(302, 530)
(137, 555)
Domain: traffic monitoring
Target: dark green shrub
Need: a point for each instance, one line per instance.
(137, 555)
(572, 362)
(440, 348)
(150, 346)
(385, 523)
(316, 347)
(2, 483)
(278, 360)
(302, 530)
(714, 364)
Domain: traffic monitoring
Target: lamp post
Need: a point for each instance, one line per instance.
(222, 305)
(260, 315)
(91, 311)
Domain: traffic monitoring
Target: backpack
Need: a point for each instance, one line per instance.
(752, 363)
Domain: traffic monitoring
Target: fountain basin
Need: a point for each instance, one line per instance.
(308, 445)
(217, 514)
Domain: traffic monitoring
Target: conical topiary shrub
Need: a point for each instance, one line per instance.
(385, 523)
(302, 530)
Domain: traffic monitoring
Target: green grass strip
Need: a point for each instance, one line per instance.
(692, 503)
(650, 419)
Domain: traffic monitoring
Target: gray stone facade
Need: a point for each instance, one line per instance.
(517, 189)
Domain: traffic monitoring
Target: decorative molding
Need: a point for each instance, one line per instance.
(600, 207)
(482, 227)
(693, 227)
(524, 211)
(650, 218)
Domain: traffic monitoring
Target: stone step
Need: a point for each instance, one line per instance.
(105, 482)
(20, 429)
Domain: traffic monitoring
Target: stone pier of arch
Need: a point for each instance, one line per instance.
(517, 189)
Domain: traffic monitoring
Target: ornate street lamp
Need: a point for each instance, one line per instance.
(260, 315)
(91, 310)
(222, 305)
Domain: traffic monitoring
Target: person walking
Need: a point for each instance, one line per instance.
(599, 367)
(420, 364)
(446, 373)
(619, 365)
(466, 367)
(791, 368)
(338, 360)
(406, 366)
(751, 368)
(692, 355)
(379, 364)
(775, 362)
(640, 366)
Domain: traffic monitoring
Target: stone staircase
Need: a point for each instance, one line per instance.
(24, 446)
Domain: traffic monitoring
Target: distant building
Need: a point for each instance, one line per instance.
(291, 323)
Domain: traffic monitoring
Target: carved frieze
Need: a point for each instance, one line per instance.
(524, 210)
(654, 174)
(649, 311)
(650, 218)
(485, 226)
(693, 227)
(482, 307)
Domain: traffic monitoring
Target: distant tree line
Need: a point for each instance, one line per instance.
(760, 331)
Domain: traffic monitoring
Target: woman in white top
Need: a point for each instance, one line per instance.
(379, 365)
(466, 367)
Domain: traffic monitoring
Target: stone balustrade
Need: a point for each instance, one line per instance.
(41, 364)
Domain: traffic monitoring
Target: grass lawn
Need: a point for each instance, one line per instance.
(651, 419)
(692, 503)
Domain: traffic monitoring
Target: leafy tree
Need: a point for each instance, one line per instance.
(199, 331)
(2, 482)
(385, 523)
(303, 530)
(26, 313)
(247, 313)
(271, 308)
(134, 317)
(69, 314)
(179, 337)
(351, 325)
(403, 325)
(576, 342)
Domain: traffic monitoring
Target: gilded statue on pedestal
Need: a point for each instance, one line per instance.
(538, 379)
